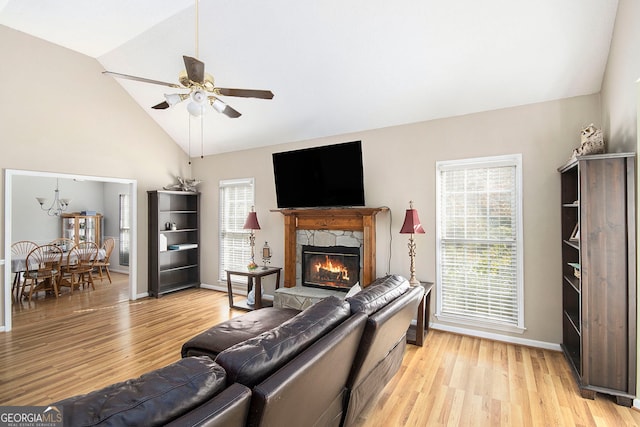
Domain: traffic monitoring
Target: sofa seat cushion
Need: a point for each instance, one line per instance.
(231, 332)
(378, 294)
(253, 360)
(152, 399)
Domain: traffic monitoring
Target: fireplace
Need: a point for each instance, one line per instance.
(344, 219)
(330, 267)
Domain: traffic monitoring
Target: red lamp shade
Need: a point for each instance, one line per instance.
(412, 223)
(252, 221)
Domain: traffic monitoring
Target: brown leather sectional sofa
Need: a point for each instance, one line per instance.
(272, 366)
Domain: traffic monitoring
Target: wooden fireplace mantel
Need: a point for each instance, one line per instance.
(348, 219)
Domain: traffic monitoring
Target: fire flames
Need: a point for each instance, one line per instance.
(329, 270)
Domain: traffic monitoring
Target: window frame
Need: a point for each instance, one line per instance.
(511, 160)
(222, 234)
(124, 229)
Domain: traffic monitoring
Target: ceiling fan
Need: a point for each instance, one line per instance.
(202, 89)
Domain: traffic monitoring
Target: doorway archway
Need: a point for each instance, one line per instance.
(8, 201)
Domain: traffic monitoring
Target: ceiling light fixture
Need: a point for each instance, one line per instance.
(57, 206)
(175, 98)
(198, 103)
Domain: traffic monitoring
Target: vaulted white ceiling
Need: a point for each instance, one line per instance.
(335, 66)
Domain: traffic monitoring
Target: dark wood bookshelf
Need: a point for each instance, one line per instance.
(599, 273)
(175, 267)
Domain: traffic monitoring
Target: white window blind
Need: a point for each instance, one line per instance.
(480, 242)
(236, 199)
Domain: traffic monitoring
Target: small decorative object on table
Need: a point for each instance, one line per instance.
(266, 255)
(591, 142)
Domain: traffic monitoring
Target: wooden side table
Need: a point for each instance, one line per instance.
(254, 280)
(417, 332)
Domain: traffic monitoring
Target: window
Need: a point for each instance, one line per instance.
(125, 228)
(236, 199)
(479, 242)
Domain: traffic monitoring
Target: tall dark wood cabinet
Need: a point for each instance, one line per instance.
(599, 274)
(174, 241)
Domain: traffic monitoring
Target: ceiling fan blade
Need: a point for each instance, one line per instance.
(230, 112)
(141, 79)
(195, 69)
(162, 106)
(245, 93)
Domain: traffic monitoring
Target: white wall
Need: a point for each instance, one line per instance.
(399, 165)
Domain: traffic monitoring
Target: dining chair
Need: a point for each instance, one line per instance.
(77, 271)
(65, 243)
(108, 245)
(20, 250)
(43, 269)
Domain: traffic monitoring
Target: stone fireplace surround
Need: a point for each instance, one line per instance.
(340, 221)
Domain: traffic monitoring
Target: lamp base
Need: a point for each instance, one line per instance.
(413, 281)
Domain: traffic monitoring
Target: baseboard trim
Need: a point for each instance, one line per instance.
(496, 337)
(222, 287)
(218, 287)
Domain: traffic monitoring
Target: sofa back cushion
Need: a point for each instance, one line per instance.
(253, 360)
(152, 399)
(378, 294)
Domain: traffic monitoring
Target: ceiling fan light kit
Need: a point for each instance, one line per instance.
(175, 98)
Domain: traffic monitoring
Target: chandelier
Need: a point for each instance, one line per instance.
(57, 206)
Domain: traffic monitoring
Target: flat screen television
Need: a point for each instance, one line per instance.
(326, 176)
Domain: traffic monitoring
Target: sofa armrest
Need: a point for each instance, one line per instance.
(227, 409)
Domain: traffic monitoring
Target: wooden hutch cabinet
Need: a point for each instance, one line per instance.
(174, 241)
(82, 228)
(599, 273)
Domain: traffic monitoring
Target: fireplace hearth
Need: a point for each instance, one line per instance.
(332, 267)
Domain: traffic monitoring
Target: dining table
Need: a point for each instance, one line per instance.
(19, 262)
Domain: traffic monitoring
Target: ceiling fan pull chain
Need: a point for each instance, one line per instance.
(202, 136)
(190, 141)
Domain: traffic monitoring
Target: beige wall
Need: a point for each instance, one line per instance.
(399, 165)
(619, 84)
(60, 114)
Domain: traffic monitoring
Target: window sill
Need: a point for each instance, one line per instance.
(479, 323)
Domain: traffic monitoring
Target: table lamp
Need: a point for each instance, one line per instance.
(252, 224)
(412, 226)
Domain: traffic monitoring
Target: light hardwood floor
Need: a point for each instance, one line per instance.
(80, 342)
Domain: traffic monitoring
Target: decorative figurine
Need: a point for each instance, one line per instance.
(184, 184)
